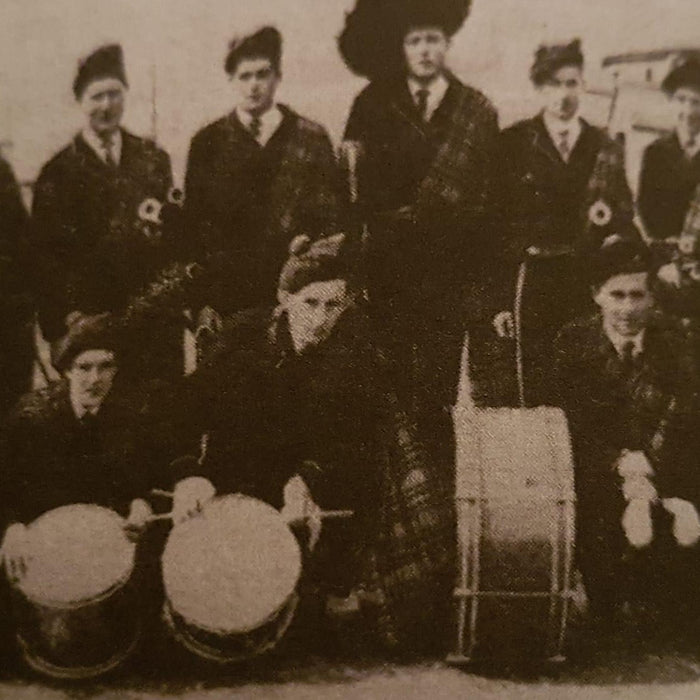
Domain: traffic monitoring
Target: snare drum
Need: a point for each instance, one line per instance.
(75, 608)
(230, 576)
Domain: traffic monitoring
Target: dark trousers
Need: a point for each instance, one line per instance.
(554, 292)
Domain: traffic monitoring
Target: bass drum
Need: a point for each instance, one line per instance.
(230, 576)
(515, 505)
(76, 612)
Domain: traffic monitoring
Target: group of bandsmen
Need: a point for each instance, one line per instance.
(330, 296)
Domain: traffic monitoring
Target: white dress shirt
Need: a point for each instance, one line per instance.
(689, 143)
(436, 93)
(619, 341)
(269, 122)
(97, 145)
(557, 127)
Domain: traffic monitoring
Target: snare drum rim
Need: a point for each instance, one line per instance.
(99, 597)
(250, 628)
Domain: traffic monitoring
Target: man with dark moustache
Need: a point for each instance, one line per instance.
(90, 223)
(564, 188)
(671, 164)
(255, 178)
(427, 167)
(628, 385)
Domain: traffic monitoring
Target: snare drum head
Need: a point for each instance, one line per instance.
(233, 566)
(77, 553)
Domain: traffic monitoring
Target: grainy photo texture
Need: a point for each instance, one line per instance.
(349, 348)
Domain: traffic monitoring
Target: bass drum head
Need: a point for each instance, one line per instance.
(232, 568)
(77, 553)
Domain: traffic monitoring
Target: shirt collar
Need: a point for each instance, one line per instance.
(437, 90)
(97, 145)
(684, 137)
(619, 341)
(556, 126)
(269, 122)
(79, 411)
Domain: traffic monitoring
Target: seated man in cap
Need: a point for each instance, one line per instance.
(81, 440)
(297, 406)
(92, 241)
(671, 164)
(629, 389)
(426, 172)
(255, 178)
(565, 187)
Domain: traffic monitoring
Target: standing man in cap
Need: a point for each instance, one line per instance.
(565, 187)
(89, 204)
(671, 164)
(256, 178)
(427, 168)
(629, 387)
(297, 404)
(16, 306)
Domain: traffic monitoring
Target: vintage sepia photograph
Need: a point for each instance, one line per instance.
(349, 349)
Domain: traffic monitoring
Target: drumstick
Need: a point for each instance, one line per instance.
(331, 514)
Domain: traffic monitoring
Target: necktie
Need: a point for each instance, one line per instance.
(108, 146)
(627, 353)
(254, 127)
(88, 421)
(563, 145)
(422, 102)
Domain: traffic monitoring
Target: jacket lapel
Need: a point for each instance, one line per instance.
(542, 142)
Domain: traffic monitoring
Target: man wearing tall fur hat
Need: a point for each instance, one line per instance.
(565, 187)
(628, 384)
(671, 164)
(426, 173)
(93, 247)
(298, 406)
(256, 178)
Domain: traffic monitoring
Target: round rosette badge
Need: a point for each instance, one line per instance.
(600, 213)
(149, 217)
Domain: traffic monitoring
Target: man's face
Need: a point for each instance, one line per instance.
(90, 377)
(102, 103)
(626, 302)
(686, 104)
(314, 311)
(561, 94)
(425, 49)
(255, 81)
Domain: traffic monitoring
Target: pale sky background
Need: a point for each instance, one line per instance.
(181, 43)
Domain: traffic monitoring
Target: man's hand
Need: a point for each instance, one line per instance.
(190, 496)
(300, 508)
(686, 524)
(139, 514)
(504, 324)
(15, 551)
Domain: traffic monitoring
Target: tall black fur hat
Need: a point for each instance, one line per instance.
(370, 42)
(105, 62)
(550, 58)
(265, 42)
(685, 73)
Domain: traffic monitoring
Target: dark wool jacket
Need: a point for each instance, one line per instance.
(16, 306)
(331, 415)
(427, 190)
(667, 182)
(50, 459)
(245, 203)
(546, 200)
(653, 407)
(91, 252)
